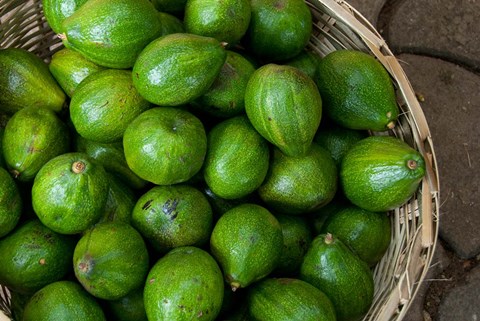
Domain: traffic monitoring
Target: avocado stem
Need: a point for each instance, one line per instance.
(62, 36)
(235, 286)
(78, 167)
(328, 238)
(15, 173)
(412, 164)
(391, 125)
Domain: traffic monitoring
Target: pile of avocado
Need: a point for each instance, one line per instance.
(195, 159)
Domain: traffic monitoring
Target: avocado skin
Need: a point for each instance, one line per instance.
(111, 33)
(34, 256)
(55, 11)
(63, 300)
(26, 81)
(185, 284)
(10, 203)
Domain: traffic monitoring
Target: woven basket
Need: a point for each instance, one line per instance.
(336, 25)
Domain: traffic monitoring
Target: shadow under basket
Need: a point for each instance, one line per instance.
(337, 25)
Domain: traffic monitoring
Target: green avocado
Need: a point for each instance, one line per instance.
(111, 33)
(26, 81)
(247, 242)
(32, 137)
(120, 201)
(185, 284)
(237, 158)
(357, 91)
(63, 300)
(284, 106)
(69, 193)
(380, 173)
(306, 61)
(70, 68)
(127, 308)
(10, 203)
(226, 97)
(225, 21)
(298, 185)
(104, 104)
(34, 256)
(175, 7)
(279, 29)
(178, 68)
(170, 24)
(335, 270)
(367, 233)
(287, 299)
(173, 216)
(112, 157)
(111, 260)
(55, 11)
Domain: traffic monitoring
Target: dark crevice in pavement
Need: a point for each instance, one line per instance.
(385, 15)
(463, 62)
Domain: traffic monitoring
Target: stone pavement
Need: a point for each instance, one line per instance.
(437, 42)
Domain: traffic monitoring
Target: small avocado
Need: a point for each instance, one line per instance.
(306, 61)
(380, 173)
(33, 136)
(10, 203)
(225, 21)
(120, 201)
(104, 104)
(176, 69)
(176, 7)
(63, 300)
(55, 11)
(298, 185)
(173, 216)
(247, 242)
(357, 91)
(70, 68)
(69, 193)
(284, 106)
(170, 24)
(127, 308)
(335, 270)
(33, 256)
(185, 284)
(111, 260)
(288, 299)
(26, 81)
(111, 33)
(237, 158)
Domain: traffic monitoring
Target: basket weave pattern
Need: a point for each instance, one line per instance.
(336, 26)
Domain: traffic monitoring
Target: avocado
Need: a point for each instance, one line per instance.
(337, 139)
(176, 7)
(335, 270)
(10, 203)
(110, 260)
(32, 137)
(185, 284)
(284, 106)
(175, 69)
(288, 299)
(26, 81)
(226, 97)
(69, 193)
(380, 173)
(111, 33)
(165, 145)
(70, 68)
(306, 61)
(225, 21)
(55, 11)
(112, 157)
(104, 104)
(34, 256)
(120, 201)
(297, 237)
(63, 300)
(170, 24)
(367, 233)
(173, 216)
(278, 30)
(357, 91)
(247, 242)
(298, 185)
(237, 158)
(127, 308)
